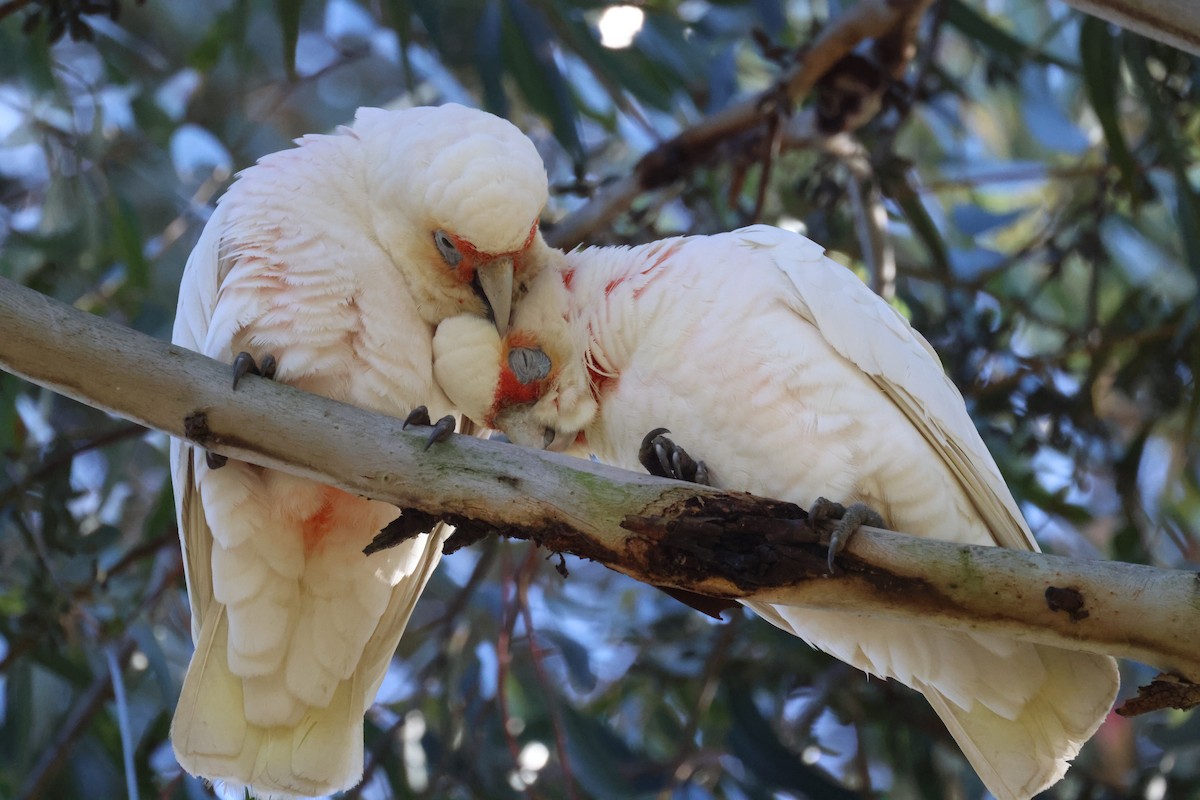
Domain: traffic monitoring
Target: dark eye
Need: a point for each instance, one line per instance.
(447, 248)
(528, 364)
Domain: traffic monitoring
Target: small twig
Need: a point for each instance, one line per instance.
(115, 666)
(509, 613)
(676, 157)
(709, 679)
(775, 128)
(560, 739)
(90, 703)
(1165, 691)
(63, 458)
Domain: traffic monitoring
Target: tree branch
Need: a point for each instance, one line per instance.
(674, 158)
(1172, 21)
(658, 531)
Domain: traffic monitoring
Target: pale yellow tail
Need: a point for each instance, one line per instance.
(321, 755)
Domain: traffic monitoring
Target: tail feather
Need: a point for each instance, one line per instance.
(1019, 711)
(320, 749)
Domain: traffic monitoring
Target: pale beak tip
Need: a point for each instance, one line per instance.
(496, 280)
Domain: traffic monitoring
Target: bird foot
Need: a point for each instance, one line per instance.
(244, 364)
(441, 429)
(847, 521)
(662, 457)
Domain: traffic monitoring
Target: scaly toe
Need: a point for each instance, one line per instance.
(441, 431)
(418, 416)
(244, 364)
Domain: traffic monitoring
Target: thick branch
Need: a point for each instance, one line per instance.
(1172, 21)
(658, 531)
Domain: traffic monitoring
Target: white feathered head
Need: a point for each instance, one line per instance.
(462, 190)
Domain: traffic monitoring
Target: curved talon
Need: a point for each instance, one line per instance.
(418, 416)
(664, 461)
(215, 460)
(662, 457)
(849, 520)
(244, 364)
(647, 450)
(441, 431)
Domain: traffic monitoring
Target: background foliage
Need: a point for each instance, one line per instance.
(1040, 175)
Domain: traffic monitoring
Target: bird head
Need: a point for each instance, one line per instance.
(530, 383)
(455, 195)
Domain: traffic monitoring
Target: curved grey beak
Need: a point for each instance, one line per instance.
(496, 280)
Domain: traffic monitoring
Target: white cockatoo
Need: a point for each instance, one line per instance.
(792, 380)
(337, 258)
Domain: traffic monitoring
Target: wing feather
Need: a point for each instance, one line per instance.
(873, 336)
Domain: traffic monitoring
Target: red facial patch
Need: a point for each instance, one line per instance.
(472, 256)
(509, 390)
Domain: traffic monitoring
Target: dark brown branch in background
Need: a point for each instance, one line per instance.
(676, 157)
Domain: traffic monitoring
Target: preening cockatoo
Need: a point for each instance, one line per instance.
(792, 380)
(337, 258)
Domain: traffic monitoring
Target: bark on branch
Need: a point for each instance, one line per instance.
(658, 531)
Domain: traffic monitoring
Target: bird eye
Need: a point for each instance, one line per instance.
(447, 248)
(528, 364)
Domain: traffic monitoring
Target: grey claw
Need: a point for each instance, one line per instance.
(548, 438)
(441, 431)
(849, 520)
(215, 460)
(418, 416)
(661, 456)
(664, 461)
(646, 452)
(244, 364)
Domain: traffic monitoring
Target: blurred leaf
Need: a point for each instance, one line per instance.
(974, 220)
(603, 762)
(102, 538)
(628, 70)
(398, 16)
(127, 241)
(579, 667)
(227, 29)
(978, 28)
(288, 12)
(894, 182)
(488, 58)
(1176, 151)
(1101, 64)
(754, 742)
(528, 47)
(156, 660)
